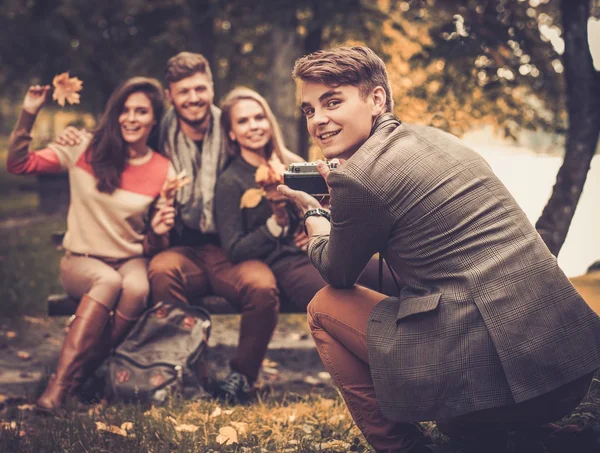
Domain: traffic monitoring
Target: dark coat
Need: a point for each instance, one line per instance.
(487, 318)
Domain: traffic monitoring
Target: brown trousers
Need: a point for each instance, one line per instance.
(338, 323)
(256, 291)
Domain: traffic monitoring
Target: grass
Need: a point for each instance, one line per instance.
(19, 193)
(295, 424)
(28, 266)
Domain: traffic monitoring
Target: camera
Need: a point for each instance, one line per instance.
(305, 177)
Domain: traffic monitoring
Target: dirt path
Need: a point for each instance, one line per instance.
(29, 350)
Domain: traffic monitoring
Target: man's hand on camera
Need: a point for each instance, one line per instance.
(303, 200)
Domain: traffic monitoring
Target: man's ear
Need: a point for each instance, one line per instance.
(168, 95)
(379, 101)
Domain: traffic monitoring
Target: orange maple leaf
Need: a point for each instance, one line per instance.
(66, 88)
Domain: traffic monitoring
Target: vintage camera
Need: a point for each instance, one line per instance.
(305, 177)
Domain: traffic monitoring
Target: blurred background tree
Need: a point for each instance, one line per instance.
(454, 64)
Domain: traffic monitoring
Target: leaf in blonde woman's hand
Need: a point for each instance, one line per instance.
(66, 88)
(251, 198)
(262, 174)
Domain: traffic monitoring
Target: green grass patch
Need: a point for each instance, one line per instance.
(28, 265)
(19, 193)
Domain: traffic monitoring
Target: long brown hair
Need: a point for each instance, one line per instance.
(276, 143)
(107, 153)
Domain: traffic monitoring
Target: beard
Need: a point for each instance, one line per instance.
(195, 122)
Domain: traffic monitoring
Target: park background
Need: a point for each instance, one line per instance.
(518, 80)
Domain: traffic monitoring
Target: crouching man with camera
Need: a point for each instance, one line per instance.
(487, 330)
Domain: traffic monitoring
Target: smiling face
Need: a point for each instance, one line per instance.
(136, 119)
(338, 118)
(250, 126)
(192, 97)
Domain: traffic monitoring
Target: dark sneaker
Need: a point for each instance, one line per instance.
(235, 388)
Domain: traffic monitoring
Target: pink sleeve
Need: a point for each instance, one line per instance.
(20, 160)
(43, 161)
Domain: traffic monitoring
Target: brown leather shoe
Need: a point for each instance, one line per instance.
(83, 336)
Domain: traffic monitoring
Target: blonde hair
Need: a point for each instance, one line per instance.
(276, 143)
(358, 66)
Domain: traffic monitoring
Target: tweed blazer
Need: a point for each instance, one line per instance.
(487, 318)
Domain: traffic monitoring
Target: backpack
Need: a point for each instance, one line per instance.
(162, 354)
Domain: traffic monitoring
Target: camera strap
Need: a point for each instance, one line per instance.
(381, 260)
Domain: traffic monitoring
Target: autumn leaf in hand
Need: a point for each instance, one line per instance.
(251, 198)
(270, 174)
(66, 88)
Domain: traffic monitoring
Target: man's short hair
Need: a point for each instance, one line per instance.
(185, 64)
(358, 66)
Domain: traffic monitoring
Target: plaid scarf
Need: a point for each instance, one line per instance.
(195, 201)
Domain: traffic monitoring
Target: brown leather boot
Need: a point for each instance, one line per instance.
(81, 340)
(114, 332)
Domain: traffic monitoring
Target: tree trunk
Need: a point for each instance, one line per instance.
(583, 108)
(312, 43)
(286, 48)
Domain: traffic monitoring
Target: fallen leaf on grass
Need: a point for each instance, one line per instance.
(3, 398)
(127, 426)
(10, 334)
(23, 355)
(270, 363)
(54, 341)
(335, 445)
(26, 407)
(241, 427)
(324, 375)
(111, 429)
(269, 370)
(311, 380)
(227, 435)
(217, 412)
(34, 320)
(186, 428)
(326, 403)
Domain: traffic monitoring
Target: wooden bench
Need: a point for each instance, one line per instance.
(65, 305)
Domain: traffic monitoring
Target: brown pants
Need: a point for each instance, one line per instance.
(338, 323)
(184, 273)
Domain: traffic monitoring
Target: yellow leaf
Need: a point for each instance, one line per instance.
(270, 363)
(33, 320)
(23, 355)
(216, 413)
(127, 426)
(3, 398)
(251, 198)
(227, 435)
(66, 88)
(11, 334)
(262, 174)
(187, 428)
(26, 407)
(111, 429)
(241, 427)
